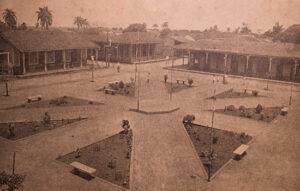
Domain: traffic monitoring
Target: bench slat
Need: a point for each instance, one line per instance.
(241, 149)
(83, 167)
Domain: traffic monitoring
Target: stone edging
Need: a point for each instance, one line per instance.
(232, 76)
(154, 112)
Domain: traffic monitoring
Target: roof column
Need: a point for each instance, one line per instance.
(148, 52)
(206, 60)
(80, 58)
(45, 60)
(64, 58)
(225, 62)
(270, 67)
(23, 62)
(295, 69)
(247, 63)
(97, 53)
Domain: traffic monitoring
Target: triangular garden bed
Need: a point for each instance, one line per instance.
(110, 157)
(231, 93)
(223, 148)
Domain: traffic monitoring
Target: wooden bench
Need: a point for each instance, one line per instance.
(240, 151)
(110, 91)
(284, 111)
(34, 98)
(83, 168)
(182, 81)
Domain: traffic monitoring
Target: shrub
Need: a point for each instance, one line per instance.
(255, 93)
(190, 81)
(258, 108)
(262, 116)
(243, 135)
(188, 119)
(215, 140)
(46, 118)
(230, 108)
(121, 84)
(165, 78)
(249, 114)
(242, 108)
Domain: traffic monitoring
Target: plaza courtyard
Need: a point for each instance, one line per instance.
(162, 156)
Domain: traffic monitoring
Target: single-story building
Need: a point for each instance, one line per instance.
(129, 47)
(33, 51)
(248, 58)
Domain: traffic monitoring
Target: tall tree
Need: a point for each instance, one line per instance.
(245, 29)
(85, 23)
(10, 18)
(78, 21)
(165, 25)
(45, 17)
(136, 27)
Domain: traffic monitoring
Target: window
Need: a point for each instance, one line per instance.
(51, 57)
(33, 58)
(68, 55)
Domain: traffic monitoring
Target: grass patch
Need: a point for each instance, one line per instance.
(176, 87)
(223, 144)
(25, 129)
(236, 94)
(110, 157)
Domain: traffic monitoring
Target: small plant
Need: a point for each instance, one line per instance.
(128, 155)
(262, 116)
(242, 108)
(249, 114)
(165, 78)
(258, 108)
(121, 84)
(215, 140)
(11, 181)
(46, 118)
(112, 164)
(243, 135)
(255, 93)
(190, 81)
(188, 119)
(125, 125)
(230, 108)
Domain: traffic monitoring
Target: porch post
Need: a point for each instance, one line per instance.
(148, 53)
(97, 53)
(64, 58)
(206, 61)
(8, 64)
(80, 58)
(45, 60)
(270, 67)
(23, 60)
(247, 63)
(295, 69)
(225, 63)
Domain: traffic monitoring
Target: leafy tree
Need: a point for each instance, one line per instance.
(165, 32)
(78, 21)
(11, 182)
(245, 29)
(277, 28)
(10, 18)
(228, 29)
(23, 26)
(136, 27)
(45, 17)
(85, 23)
(155, 26)
(165, 25)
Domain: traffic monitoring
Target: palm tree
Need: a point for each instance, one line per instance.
(78, 21)
(45, 17)
(85, 23)
(10, 18)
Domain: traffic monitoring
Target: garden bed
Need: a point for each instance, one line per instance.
(223, 148)
(267, 114)
(176, 87)
(61, 101)
(122, 88)
(236, 94)
(25, 129)
(110, 157)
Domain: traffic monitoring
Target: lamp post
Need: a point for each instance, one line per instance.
(93, 67)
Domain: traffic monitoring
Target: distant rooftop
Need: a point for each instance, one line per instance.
(37, 40)
(235, 45)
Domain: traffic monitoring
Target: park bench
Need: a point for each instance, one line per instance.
(240, 151)
(34, 98)
(110, 91)
(180, 81)
(79, 167)
(284, 111)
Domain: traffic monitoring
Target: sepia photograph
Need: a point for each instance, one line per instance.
(149, 95)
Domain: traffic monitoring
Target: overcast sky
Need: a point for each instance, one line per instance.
(181, 14)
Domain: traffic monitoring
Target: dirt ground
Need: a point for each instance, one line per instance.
(162, 157)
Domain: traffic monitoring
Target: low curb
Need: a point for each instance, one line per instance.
(232, 76)
(153, 112)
